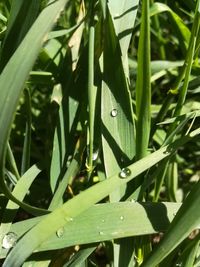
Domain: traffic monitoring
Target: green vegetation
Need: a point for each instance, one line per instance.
(99, 133)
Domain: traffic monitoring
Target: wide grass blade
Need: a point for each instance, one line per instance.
(72, 208)
(131, 219)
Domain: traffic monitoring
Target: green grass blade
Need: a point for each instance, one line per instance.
(80, 257)
(11, 162)
(117, 115)
(143, 85)
(92, 90)
(27, 138)
(131, 219)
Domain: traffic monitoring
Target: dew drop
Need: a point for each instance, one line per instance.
(60, 232)
(121, 218)
(125, 173)
(103, 221)
(69, 219)
(114, 112)
(9, 240)
(100, 233)
(95, 153)
(179, 264)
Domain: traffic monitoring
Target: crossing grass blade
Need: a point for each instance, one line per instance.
(72, 208)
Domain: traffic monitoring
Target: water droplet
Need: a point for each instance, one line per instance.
(121, 218)
(103, 221)
(60, 232)
(95, 153)
(69, 219)
(179, 264)
(101, 233)
(114, 112)
(174, 214)
(9, 240)
(125, 173)
(133, 200)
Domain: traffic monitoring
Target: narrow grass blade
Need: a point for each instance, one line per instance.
(143, 85)
(27, 137)
(92, 90)
(80, 257)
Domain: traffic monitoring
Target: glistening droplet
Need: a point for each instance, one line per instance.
(95, 152)
(121, 218)
(69, 219)
(60, 232)
(114, 112)
(125, 173)
(9, 240)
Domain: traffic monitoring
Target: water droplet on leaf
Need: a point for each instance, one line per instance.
(60, 232)
(95, 153)
(9, 240)
(114, 112)
(125, 173)
(69, 219)
(121, 218)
